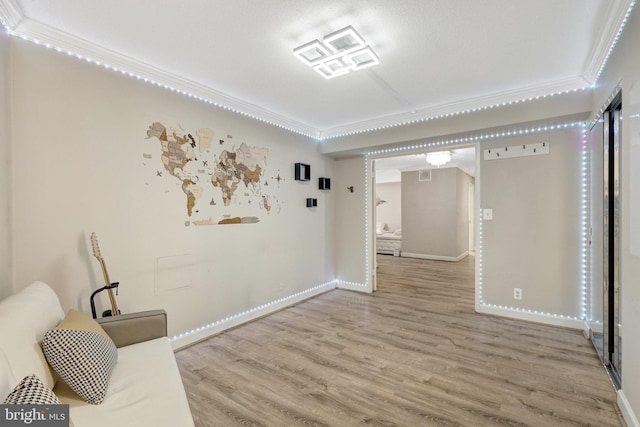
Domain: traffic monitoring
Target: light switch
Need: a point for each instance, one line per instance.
(487, 214)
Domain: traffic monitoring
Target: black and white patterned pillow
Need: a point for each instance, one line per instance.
(31, 391)
(83, 359)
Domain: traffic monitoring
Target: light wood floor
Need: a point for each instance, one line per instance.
(412, 354)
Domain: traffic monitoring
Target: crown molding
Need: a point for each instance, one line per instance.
(13, 18)
(11, 14)
(615, 20)
(98, 55)
(495, 100)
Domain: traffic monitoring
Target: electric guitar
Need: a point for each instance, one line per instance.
(108, 285)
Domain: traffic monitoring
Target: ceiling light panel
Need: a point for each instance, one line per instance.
(337, 54)
(364, 58)
(312, 53)
(346, 39)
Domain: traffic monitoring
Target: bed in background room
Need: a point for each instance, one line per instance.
(388, 241)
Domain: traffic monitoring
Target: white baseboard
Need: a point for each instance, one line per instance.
(547, 319)
(352, 286)
(627, 412)
(596, 327)
(586, 329)
(592, 327)
(435, 257)
(186, 338)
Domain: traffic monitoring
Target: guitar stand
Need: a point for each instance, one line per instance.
(105, 313)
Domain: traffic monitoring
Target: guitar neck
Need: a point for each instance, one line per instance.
(107, 282)
(112, 298)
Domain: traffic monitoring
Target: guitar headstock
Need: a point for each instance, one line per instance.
(94, 244)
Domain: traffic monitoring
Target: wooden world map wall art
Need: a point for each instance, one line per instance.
(222, 182)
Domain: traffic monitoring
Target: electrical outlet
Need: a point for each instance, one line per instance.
(281, 286)
(517, 293)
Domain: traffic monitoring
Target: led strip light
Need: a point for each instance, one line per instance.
(476, 138)
(585, 186)
(455, 113)
(153, 82)
(246, 312)
(318, 136)
(373, 153)
(367, 247)
(615, 41)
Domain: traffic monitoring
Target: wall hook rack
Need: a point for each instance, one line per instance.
(350, 189)
(517, 151)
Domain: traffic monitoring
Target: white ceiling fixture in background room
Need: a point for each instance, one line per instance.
(437, 57)
(338, 53)
(389, 169)
(439, 158)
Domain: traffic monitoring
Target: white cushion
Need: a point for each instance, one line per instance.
(145, 390)
(7, 379)
(24, 319)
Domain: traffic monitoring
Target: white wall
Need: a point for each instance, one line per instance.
(624, 67)
(79, 142)
(6, 236)
(390, 212)
(435, 214)
(428, 214)
(350, 222)
(533, 241)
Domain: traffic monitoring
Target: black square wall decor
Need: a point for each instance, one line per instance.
(303, 172)
(324, 183)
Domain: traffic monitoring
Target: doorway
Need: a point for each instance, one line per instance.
(424, 211)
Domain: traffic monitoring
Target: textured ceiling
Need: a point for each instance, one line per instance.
(435, 56)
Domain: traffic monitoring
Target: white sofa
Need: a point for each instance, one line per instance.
(145, 388)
